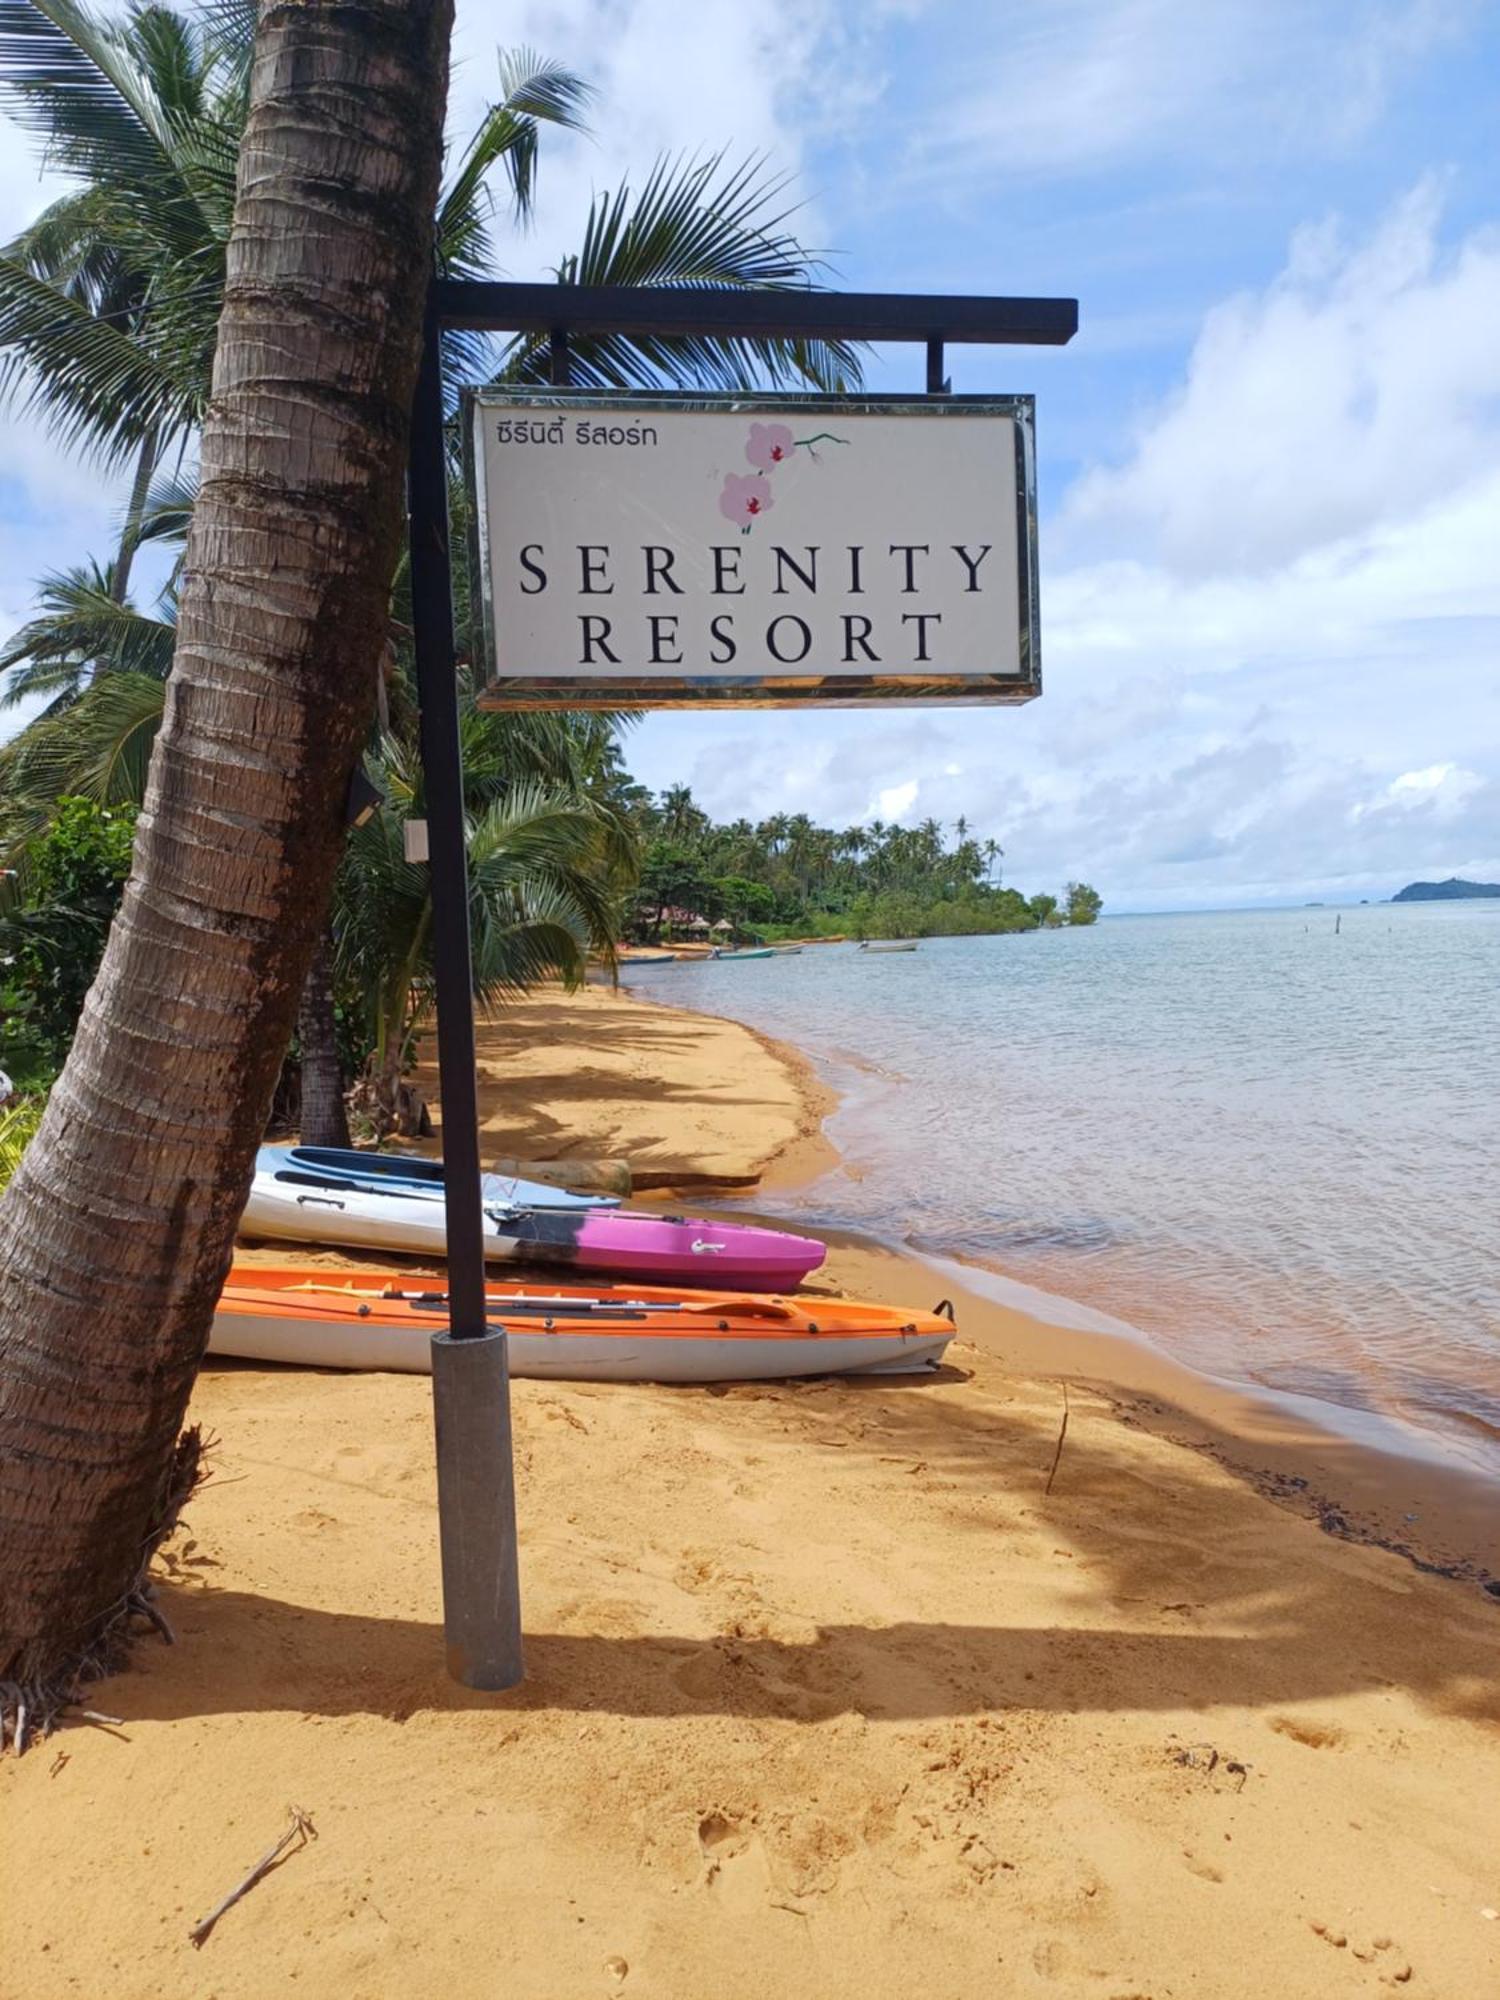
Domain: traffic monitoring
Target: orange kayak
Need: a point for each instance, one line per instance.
(596, 1333)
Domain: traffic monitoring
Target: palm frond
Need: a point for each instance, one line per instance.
(76, 244)
(536, 838)
(89, 91)
(532, 92)
(99, 749)
(168, 512)
(97, 387)
(540, 937)
(79, 629)
(695, 222)
(540, 897)
(229, 31)
(169, 48)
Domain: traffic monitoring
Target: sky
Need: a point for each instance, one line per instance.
(1269, 463)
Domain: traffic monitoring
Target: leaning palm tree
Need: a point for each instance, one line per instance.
(163, 1099)
(108, 310)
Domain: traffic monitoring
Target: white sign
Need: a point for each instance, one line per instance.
(744, 551)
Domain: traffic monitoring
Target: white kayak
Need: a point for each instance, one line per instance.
(414, 1172)
(609, 1333)
(295, 1201)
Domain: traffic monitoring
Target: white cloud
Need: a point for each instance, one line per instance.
(1361, 387)
(1440, 789)
(671, 79)
(895, 801)
(1056, 86)
(1257, 685)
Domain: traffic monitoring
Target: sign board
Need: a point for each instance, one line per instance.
(635, 552)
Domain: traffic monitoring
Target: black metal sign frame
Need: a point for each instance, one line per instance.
(476, 1501)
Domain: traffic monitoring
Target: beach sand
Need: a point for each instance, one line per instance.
(827, 1693)
(692, 1102)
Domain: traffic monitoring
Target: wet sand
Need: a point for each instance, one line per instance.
(833, 1688)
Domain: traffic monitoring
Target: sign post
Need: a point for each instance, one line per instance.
(784, 551)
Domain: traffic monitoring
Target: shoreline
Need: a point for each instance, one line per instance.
(985, 1681)
(1403, 1498)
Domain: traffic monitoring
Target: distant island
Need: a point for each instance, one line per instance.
(1445, 892)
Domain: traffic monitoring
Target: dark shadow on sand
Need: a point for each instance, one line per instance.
(269, 1655)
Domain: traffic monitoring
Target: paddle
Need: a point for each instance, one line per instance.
(743, 1307)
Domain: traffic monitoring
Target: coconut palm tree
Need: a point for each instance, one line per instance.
(108, 304)
(549, 855)
(110, 300)
(541, 903)
(83, 621)
(283, 615)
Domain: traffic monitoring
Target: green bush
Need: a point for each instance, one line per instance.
(53, 931)
(18, 1121)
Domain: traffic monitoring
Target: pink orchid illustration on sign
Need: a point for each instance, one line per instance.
(770, 445)
(745, 498)
(747, 495)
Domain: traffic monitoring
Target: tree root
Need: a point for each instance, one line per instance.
(30, 1709)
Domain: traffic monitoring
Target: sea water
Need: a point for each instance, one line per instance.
(1267, 1140)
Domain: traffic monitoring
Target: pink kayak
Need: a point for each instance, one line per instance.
(297, 1200)
(723, 1256)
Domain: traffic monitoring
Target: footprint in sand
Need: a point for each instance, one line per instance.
(735, 1864)
(1050, 1958)
(744, 1672)
(720, 1835)
(1316, 1735)
(807, 1852)
(1382, 1954)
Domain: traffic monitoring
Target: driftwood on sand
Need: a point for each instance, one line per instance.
(298, 1834)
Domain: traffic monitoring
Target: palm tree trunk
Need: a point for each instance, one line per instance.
(130, 535)
(324, 1120)
(118, 1229)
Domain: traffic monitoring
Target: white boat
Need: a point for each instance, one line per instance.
(889, 944)
(293, 1200)
(610, 1333)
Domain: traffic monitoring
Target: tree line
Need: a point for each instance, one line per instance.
(786, 876)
